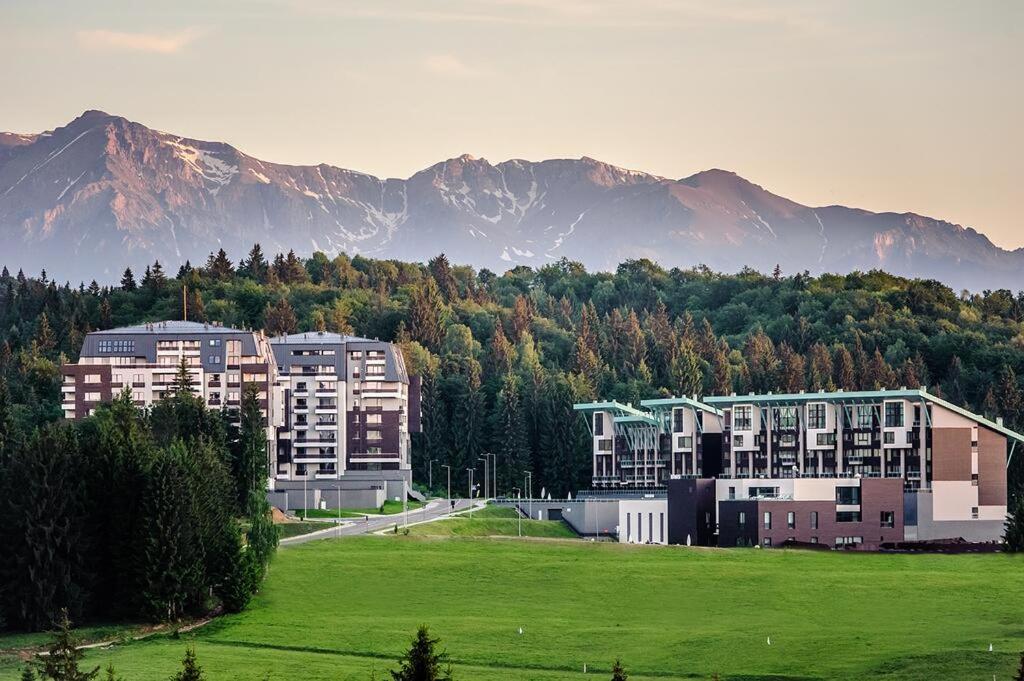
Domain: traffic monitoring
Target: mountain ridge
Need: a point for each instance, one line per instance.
(104, 189)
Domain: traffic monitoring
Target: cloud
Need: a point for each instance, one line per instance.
(449, 66)
(158, 43)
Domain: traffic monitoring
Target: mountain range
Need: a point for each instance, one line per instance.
(102, 192)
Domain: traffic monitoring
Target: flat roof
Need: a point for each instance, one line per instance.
(863, 396)
(318, 337)
(169, 326)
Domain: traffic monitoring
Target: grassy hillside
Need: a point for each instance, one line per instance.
(339, 609)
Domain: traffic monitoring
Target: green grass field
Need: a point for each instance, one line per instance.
(389, 507)
(482, 525)
(341, 609)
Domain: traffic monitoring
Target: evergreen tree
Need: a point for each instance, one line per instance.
(61, 663)
(508, 430)
(111, 674)
(1013, 533)
(251, 462)
(128, 280)
(425, 314)
(821, 369)
(441, 271)
(190, 669)
(845, 373)
(687, 377)
(218, 267)
(7, 431)
(45, 339)
(791, 369)
(762, 362)
(422, 662)
(280, 318)
(618, 673)
(1020, 669)
(255, 266)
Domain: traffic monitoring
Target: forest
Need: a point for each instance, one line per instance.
(504, 356)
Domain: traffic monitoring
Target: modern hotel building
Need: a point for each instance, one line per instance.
(857, 469)
(339, 409)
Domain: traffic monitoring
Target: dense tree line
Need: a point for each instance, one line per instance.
(504, 357)
(132, 513)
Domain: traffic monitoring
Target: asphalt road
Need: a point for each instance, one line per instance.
(354, 526)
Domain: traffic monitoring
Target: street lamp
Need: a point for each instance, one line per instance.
(494, 474)
(444, 465)
(519, 511)
(529, 491)
(470, 493)
(338, 487)
(486, 476)
(430, 476)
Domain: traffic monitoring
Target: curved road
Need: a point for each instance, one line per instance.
(348, 527)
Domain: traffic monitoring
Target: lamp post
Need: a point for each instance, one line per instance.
(486, 476)
(519, 511)
(305, 498)
(494, 474)
(529, 491)
(470, 493)
(338, 487)
(430, 476)
(444, 465)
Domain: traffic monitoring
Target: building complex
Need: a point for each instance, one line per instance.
(847, 469)
(339, 409)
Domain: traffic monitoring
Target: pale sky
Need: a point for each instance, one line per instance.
(901, 106)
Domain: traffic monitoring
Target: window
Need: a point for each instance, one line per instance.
(685, 442)
(374, 418)
(737, 440)
(767, 520)
(767, 542)
(865, 416)
(814, 520)
(604, 445)
(814, 540)
(974, 513)
(677, 420)
(92, 397)
(741, 520)
(816, 416)
(848, 516)
(119, 346)
(888, 519)
(890, 437)
(732, 492)
(862, 439)
(829, 438)
(215, 342)
(742, 418)
(893, 414)
(92, 378)
(787, 440)
(791, 520)
(787, 417)
(598, 424)
(974, 479)
(847, 496)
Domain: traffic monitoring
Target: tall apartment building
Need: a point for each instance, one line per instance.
(339, 409)
(636, 448)
(349, 408)
(146, 359)
(845, 468)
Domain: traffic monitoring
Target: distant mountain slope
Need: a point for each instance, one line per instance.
(84, 200)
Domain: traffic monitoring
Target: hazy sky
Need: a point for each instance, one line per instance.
(903, 106)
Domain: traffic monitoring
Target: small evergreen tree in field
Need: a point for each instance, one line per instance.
(111, 675)
(422, 663)
(27, 674)
(1019, 676)
(61, 664)
(618, 673)
(1013, 535)
(190, 669)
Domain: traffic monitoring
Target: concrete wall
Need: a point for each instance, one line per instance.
(643, 521)
(930, 529)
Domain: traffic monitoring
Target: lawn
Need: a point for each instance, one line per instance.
(464, 526)
(389, 507)
(287, 530)
(341, 609)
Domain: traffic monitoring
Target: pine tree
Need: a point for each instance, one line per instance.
(687, 377)
(762, 362)
(1013, 532)
(425, 314)
(618, 673)
(111, 674)
(280, 318)
(218, 267)
(845, 373)
(522, 317)
(63, 658)
(508, 430)
(7, 431)
(45, 339)
(255, 266)
(251, 462)
(821, 369)
(791, 369)
(128, 280)
(441, 271)
(106, 315)
(190, 669)
(27, 674)
(1008, 394)
(422, 662)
